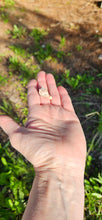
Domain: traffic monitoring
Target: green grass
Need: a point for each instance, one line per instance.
(9, 3)
(93, 197)
(3, 79)
(18, 50)
(63, 41)
(79, 47)
(22, 70)
(17, 32)
(15, 182)
(38, 34)
(97, 133)
(5, 17)
(43, 53)
(79, 80)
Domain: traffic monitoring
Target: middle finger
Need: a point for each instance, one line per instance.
(41, 78)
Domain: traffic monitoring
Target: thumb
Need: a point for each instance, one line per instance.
(8, 124)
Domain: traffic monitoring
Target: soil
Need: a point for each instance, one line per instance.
(80, 22)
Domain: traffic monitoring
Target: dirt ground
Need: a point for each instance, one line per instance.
(79, 21)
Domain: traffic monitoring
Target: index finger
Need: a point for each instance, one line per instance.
(33, 96)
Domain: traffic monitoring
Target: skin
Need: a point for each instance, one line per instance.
(54, 142)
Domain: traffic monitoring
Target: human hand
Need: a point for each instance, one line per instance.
(52, 137)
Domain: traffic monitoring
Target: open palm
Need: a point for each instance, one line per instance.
(52, 135)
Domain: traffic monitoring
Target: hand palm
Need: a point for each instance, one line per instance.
(53, 131)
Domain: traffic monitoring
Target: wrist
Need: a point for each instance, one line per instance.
(64, 196)
(51, 197)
